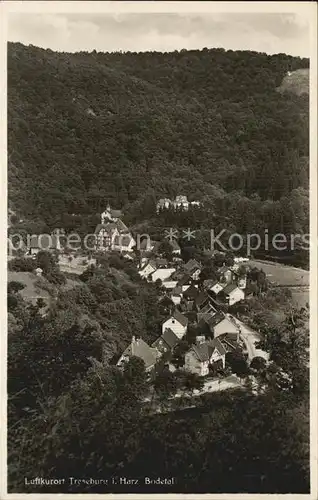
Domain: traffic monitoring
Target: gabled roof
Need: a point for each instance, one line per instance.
(184, 280)
(208, 284)
(201, 298)
(191, 293)
(109, 227)
(121, 226)
(166, 300)
(177, 290)
(161, 262)
(192, 265)
(142, 350)
(229, 288)
(183, 320)
(170, 338)
(215, 319)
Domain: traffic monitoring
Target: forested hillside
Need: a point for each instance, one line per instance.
(90, 127)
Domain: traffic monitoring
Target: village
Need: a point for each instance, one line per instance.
(199, 331)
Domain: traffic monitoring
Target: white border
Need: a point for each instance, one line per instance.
(308, 9)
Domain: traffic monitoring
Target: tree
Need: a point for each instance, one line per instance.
(238, 363)
(165, 384)
(258, 363)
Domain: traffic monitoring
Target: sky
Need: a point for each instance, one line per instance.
(135, 32)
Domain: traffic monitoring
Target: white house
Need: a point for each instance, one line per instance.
(148, 268)
(225, 326)
(162, 274)
(193, 269)
(112, 233)
(163, 204)
(178, 323)
(233, 294)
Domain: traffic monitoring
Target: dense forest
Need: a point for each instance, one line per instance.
(129, 128)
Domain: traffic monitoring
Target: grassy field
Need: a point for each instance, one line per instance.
(279, 274)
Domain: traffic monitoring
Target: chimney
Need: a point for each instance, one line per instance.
(133, 339)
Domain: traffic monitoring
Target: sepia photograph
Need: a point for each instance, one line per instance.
(159, 201)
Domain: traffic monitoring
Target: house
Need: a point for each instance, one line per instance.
(110, 215)
(193, 269)
(185, 282)
(138, 347)
(201, 301)
(169, 284)
(176, 295)
(44, 242)
(113, 236)
(166, 342)
(204, 354)
(232, 294)
(181, 202)
(162, 274)
(149, 268)
(178, 323)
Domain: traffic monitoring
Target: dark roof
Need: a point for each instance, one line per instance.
(201, 298)
(177, 290)
(121, 226)
(184, 280)
(229, 288)
(166, 300)
(142, 350)
(161, 262)
(191, 293)
(170, 338)
(45, 241)
(109, 227)
(205, 350)
(180, 317)
(207, 284)
(192, 264)
(203, 316)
